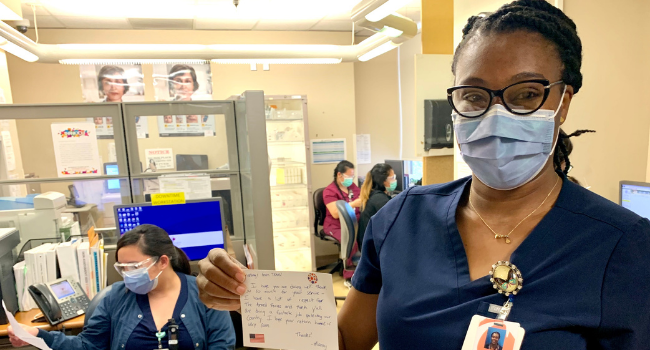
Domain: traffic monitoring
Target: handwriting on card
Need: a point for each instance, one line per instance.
(295, 308)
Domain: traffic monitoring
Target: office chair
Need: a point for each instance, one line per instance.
(93, 303)
(320, 211)
(348, 219)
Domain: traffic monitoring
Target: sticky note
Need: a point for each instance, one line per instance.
(289, 310)
(168, 198)
(279, 176)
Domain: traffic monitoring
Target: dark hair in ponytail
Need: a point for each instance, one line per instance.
(374, 181)
(563, 148)
(155, 242)
(342, 167)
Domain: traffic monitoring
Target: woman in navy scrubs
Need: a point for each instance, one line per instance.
(425, 256)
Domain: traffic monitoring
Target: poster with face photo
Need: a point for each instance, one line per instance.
(186, 125)
(182, 82)
(112, 83)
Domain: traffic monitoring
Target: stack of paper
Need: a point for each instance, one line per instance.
(83, 258)
(25, 301)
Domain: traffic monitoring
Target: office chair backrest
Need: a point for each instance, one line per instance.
(348, 219)
(93, 303)
(320, 210)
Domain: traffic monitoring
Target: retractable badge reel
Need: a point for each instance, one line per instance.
(498, 334)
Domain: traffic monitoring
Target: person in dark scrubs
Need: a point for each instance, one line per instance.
(425, 260)
(375, 193)
(135, 314)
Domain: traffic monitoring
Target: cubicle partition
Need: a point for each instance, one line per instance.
(142, 139)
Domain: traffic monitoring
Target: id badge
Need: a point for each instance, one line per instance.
(492, 334)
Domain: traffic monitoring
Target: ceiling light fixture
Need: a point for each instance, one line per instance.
(127, 61)
(138, 47)
(391, 32)
(279, 61)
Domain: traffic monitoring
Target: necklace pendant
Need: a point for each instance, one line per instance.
(508, 240)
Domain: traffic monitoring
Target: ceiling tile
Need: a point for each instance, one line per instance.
(94, 23)
(415, 3)
(28, 13)
(224, 24)
(47, 22)
(267, 24)
(340, 16)
(331, 25)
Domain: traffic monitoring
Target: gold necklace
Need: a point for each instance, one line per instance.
(507, 237)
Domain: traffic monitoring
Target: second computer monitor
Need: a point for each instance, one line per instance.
(112, 185)
(636, 197)
(191, 162)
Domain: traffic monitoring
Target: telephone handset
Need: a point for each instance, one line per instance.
(59, 300)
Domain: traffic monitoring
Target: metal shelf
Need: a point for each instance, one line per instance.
(302, 207)
(287, 186)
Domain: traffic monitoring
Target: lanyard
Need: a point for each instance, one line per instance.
(350, 195)
(173, 336)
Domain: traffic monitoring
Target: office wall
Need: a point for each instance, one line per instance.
(614, 67)
(377, 107)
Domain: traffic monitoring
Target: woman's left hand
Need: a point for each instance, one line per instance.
(17, 342)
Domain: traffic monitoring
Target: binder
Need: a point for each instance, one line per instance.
(83, 257)
(67, 257)
(50, 260)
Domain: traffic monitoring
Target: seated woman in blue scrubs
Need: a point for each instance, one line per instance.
(134, 315)
(422, 274)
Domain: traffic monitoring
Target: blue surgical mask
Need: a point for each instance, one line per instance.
(138, 281)
(347, 182)
(505, 150)
(392, 186)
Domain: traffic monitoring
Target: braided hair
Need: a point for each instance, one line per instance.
(564, 148)
(537, 16)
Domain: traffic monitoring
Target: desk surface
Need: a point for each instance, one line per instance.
(27, 317)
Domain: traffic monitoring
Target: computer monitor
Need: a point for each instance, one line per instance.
(195, 227)
(112, 185)
(191, 162)
(636, 197)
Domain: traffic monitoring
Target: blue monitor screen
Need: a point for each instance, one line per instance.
(636, 198)
(195, 227)
(111, 169)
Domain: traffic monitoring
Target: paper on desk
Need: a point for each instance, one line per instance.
(289, 310)
(23, 334)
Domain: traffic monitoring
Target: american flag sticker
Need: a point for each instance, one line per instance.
(257, 338)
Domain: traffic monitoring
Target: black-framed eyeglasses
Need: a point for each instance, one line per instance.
(522, 98)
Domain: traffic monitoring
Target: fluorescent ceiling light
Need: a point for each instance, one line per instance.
(136, 47)
(127, 61)
(279, 61)
(19, 52)
(380, 50)
(386, 9)
(271, 47)
(391, 32)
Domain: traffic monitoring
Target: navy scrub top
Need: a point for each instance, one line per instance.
(144, 334)
(586, 271)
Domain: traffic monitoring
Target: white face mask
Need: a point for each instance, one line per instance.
(505, 150)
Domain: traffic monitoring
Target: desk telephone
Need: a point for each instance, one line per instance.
(60, 300)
